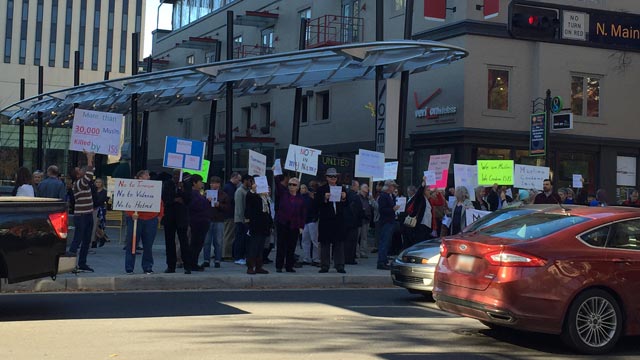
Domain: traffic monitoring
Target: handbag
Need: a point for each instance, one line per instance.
(410, 221)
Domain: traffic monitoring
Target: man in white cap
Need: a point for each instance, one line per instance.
(330, 224)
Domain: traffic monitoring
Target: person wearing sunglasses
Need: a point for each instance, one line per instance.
(290, 218)
(330, 224)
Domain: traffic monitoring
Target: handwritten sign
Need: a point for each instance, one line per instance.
(257, 163)
(277, 168)
(204, 172)
(213, 195)
(335, 193)
(473, 215)
(438, 164)
(262, 185)
(430, 177)
(370, 164)
(390, 171)
(183, 154)
(137, 195)
(302, 159)
(96, 131)
(529, 177)
(467, 176)
(401, 201)
(442, 183)
(577, 181)
(495, 172)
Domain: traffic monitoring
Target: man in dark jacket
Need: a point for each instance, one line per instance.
(330, 224)
(353, 215)
(229, 225)
(176, 195)
(387, 207)
(547, 196)
(217, 214)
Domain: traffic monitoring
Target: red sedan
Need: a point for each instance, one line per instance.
(573, 271)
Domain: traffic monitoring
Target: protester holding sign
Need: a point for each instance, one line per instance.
(420, 208)
(330, 224)
(83, 212)
(217, 214)
(459, 210)
(146, 230)
(290, 219)
(257, 212)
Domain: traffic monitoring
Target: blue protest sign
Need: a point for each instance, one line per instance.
(183, 153)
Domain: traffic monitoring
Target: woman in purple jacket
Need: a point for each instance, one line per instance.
(290, 218)
(198, 219)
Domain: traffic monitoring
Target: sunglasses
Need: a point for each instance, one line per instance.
(332, 176)
(293, 184)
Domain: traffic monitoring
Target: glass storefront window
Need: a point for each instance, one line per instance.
(575, 163)
(498, 90)
(493, 154)
(523, 158)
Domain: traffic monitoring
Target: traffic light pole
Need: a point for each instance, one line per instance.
(547, 115)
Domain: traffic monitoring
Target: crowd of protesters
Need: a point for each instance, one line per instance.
(240, 225)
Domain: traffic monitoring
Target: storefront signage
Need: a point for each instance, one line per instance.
(562, 121)
(96, 131)
(435, 112)
(538, 135)
(342, 165)
(495, 172)
(618, 29)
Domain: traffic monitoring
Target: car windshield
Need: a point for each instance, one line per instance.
(532, 226)
(496, 217)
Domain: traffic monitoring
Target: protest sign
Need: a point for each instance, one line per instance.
(183, 154)
(335, 193)
(577, 181)
(302, 159)
(262, 185)
(430, 177)
(442, 183)
(401, 201)
(96, 131)
(529, 177)
(370, 164)
(137, 195)
(257, 164)
(277, 168)
(495, 172)
(467, 176)
(390, 171)
(473, 215)
(204, 172)
(213, 195)
(438, 164)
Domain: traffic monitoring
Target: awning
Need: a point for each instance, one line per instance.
(257, 75)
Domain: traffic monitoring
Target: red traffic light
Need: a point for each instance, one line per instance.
(533, 20)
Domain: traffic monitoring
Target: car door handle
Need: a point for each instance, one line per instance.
(621, 261)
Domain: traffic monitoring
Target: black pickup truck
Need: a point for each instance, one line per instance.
(33, 238)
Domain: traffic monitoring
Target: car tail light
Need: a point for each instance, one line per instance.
(443, 250)
(60, 224)
(513, 259)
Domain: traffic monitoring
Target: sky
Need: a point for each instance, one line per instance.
(150, 22)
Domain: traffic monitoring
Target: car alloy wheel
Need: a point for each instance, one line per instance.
(594, 322)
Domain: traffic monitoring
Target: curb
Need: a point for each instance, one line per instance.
(141, 282)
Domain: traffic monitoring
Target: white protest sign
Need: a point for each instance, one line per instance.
(467, 176)
(335, 193)
(213, 195)
(277, 168)
(370, 164)
(430, 177)
(401, 201)
(390, 171)
(257, 164)
(96, 131)
(529, 177)
(137, 195)
(262, 185)
(451, 202)
(473, 215)
(438, 164)
(577, 181)
(302, 159)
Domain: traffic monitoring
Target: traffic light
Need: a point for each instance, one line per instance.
(532, 22)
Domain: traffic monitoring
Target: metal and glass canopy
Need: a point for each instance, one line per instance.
(161, 90)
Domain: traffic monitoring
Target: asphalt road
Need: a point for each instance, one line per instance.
(275, 324)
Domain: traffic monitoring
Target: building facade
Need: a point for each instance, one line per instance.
(478, 108)
(47, 33)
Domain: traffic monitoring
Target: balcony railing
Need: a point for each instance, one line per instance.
(331, 30)
(244, 51)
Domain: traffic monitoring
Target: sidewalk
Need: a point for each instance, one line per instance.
(109, 275)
